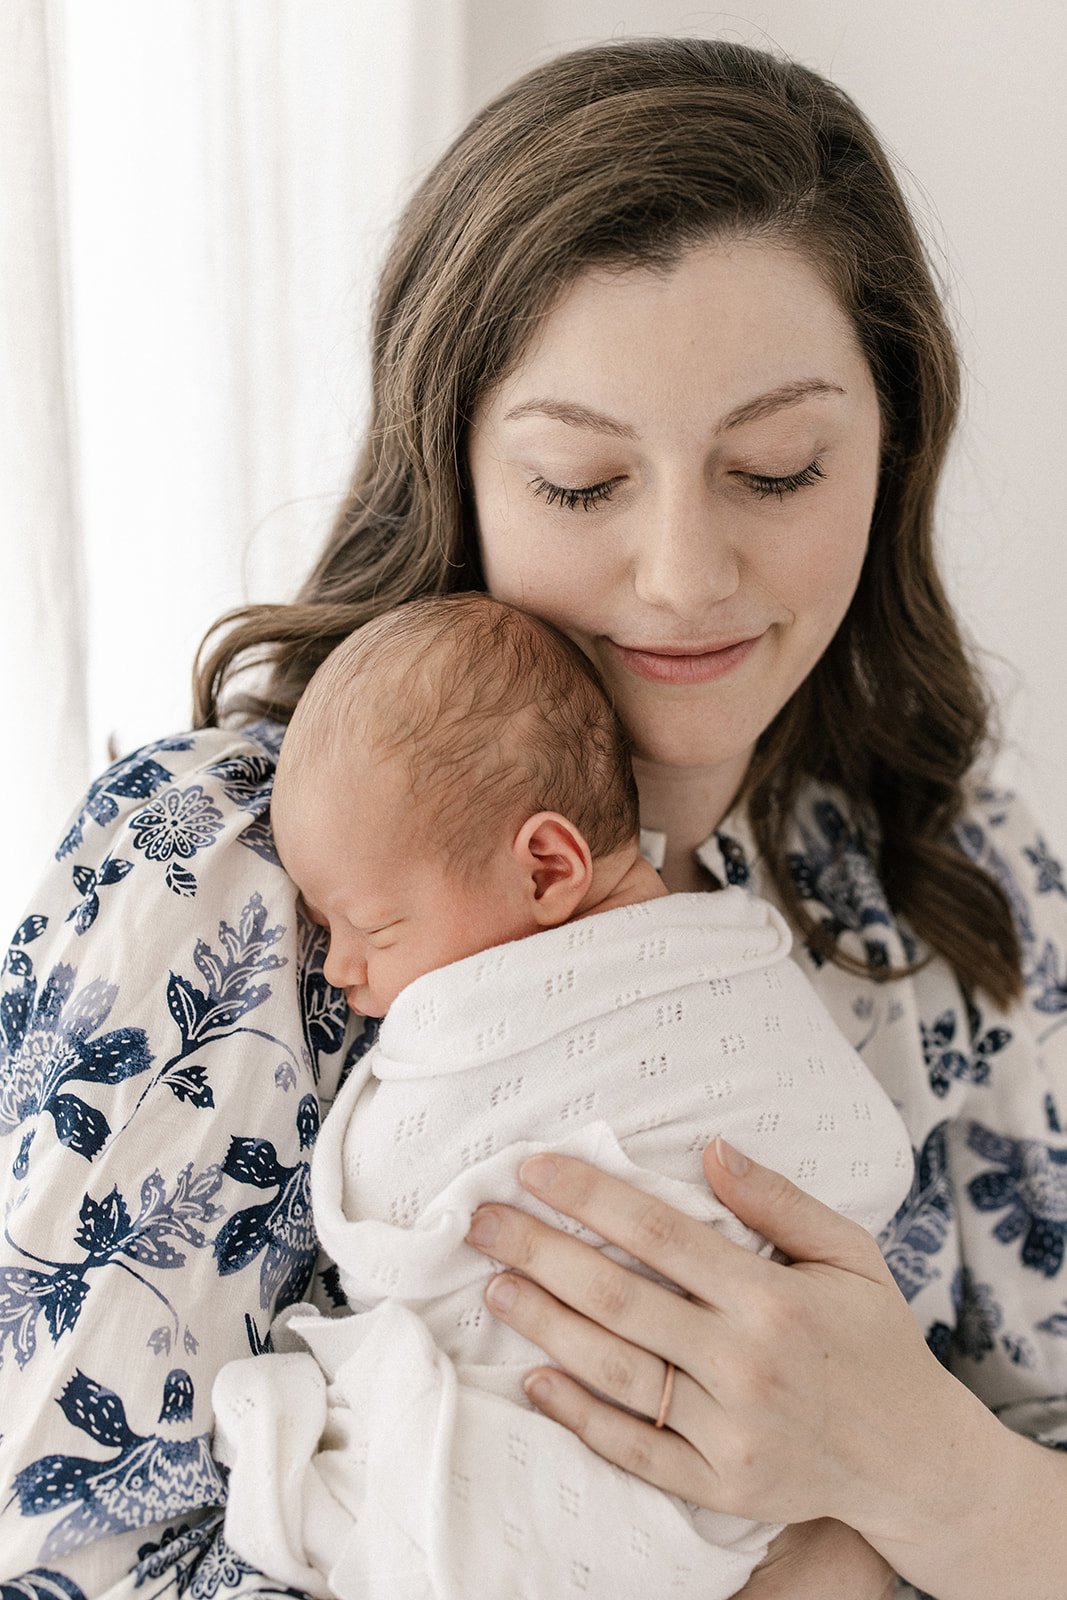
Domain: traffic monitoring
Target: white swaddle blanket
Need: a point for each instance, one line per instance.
(392, 1453)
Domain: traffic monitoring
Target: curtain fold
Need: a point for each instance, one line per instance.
(216, 184)
(42, 628)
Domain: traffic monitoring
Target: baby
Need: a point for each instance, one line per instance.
(455, 803)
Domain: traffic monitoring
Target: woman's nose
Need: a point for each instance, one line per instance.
(345, 963)
(685, 559)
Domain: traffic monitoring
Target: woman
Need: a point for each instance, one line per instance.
(657, 355)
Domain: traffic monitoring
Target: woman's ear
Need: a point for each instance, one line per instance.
(556, 864)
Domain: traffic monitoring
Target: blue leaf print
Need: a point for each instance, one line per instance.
(147, 1480)
(259, 838)
(46, 1042)
(324, 1009)
(281, 1230)
(203, 1016)
(247, 780)
(1031, 1186)
(1045, 977)
(108, 1234)
(1049, 870)
(135, 777)
(919, 1230)
(26, 1294)
(40, 1584)
(88, 884)
(180, 880)
(101, 1223)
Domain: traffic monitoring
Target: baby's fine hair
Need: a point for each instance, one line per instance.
(496, 714)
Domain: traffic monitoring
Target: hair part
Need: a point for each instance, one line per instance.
(495, 715)
(627, 154)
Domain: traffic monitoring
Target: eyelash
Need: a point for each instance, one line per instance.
(555, 494)
(793, 481)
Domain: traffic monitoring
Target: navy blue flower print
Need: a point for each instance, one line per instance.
(836, 871)
(921, 1227)
(177, 823)
(146, 1480)
(135, 777)
(946, 1062)
(978, 1316)
(282, 1228)
(89, 883)
(109, 1234)
(40, 1584)
(46, 1043)
(1031, 1186)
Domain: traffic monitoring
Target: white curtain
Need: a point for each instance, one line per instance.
(194, 197)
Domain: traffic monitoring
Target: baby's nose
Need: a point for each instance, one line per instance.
(345, 964)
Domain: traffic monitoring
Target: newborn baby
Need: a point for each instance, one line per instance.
(455, 804)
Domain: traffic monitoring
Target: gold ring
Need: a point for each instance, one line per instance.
(665, 1398)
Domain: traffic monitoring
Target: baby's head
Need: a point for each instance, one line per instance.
(453, 777)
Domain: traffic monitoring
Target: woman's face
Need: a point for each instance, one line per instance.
(680, 474)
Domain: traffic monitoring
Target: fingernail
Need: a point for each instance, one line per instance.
(538, 1388)
(734, 1162)
(484, 1228)
(501, 1293)
(539, 1173)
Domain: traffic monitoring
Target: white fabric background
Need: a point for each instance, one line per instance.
(193, 199)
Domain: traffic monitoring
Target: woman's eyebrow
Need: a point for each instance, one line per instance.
(789, 394)
(579, 416)
(575, 415)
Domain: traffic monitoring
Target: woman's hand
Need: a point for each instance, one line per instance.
(802, 1391)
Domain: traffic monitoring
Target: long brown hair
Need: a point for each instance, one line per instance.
(629, 153)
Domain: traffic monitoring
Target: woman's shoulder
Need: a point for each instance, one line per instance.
(172, 794)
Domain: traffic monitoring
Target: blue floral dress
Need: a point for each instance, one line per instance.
(168, 1047)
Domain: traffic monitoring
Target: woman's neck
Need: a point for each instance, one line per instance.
(686, 804)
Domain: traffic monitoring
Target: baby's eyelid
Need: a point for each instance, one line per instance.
(308, 914)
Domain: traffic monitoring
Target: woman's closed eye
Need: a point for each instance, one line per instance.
(761, 484)
(765, 484)
(556, 494)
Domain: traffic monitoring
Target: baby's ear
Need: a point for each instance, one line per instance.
(557, 866)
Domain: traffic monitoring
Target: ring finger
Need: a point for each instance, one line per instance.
(624, 1373)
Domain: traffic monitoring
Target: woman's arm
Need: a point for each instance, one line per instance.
(803, 1391)
(165, 1035)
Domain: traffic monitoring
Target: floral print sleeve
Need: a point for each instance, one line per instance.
(167, 1047)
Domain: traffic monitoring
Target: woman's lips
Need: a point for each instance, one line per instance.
(698, 665)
